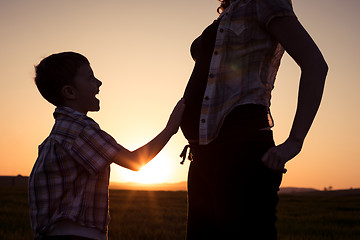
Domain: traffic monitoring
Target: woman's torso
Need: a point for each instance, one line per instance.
(249, 116)
(201, 51)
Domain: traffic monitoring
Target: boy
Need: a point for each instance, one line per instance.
(68, 186)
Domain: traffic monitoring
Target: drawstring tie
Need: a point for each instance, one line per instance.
(183, 154)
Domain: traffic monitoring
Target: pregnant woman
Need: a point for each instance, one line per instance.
(236, 169)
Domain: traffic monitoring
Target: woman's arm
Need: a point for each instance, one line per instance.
(134, 160)
(300, 46)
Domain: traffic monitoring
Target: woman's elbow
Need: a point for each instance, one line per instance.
(323, 67)
(316, 66)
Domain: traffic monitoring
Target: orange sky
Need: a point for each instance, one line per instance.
(140, 51)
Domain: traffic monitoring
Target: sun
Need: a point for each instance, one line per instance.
(156, 171)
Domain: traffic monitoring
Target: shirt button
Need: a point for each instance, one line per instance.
(211, 75)
(221, 30)
(216, 53)
(203, 120)
(207, 98)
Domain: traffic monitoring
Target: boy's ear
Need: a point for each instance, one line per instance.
(68, 92)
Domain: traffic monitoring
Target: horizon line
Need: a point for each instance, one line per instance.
(112, 183)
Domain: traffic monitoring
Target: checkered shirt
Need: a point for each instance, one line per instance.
(244, 63)
(70, 178)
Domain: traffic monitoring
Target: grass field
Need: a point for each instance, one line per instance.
(143, 215)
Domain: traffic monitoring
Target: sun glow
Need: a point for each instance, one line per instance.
(156, 171)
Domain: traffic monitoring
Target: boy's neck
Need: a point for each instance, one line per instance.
(75, 109)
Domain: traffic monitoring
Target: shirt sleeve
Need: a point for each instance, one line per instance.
(267, 10)
(94, 149)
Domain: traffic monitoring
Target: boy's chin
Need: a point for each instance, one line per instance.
(95, 108)
(94, 105)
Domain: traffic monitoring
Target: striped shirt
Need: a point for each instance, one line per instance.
(70, 179)
(244, 63)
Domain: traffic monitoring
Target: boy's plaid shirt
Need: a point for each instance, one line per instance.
(245, 61)
(70, 178)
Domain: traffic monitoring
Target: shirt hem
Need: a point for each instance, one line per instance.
(68, 227)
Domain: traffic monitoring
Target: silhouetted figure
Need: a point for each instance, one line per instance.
(237, 169)
(69, 183)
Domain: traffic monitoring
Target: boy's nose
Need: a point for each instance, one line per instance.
(99, 82)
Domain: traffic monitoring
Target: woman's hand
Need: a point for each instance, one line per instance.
(276, 157)
(175, 117)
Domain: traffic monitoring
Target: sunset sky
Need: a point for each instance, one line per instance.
(140, 51)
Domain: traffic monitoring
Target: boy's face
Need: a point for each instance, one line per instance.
(86, 86)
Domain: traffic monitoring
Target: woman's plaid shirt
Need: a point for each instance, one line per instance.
(245, 61)
(70, 178)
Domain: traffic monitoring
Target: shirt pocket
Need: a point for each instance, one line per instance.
(238, 32)
(238, 25)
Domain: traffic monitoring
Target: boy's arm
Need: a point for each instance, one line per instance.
(134, 160)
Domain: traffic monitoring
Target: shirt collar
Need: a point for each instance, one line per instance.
(68, 112)
(228, 9)
(232, 5)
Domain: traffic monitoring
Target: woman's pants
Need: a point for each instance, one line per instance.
(231, 194)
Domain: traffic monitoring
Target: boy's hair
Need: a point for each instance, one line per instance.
(56, 71)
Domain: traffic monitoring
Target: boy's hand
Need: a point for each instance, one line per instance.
(175, 117)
